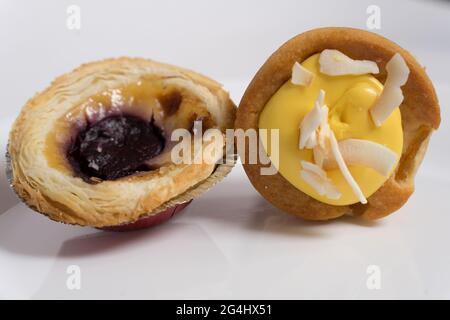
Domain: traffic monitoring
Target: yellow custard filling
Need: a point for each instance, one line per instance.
(170, 107)
(349, 99)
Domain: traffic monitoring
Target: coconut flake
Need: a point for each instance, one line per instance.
(313, 168)
(344, 170)
(311, 123)
(392, 96)
(317, 178)
(316, 134)
(324, 128)
(362, 152)
(301, 76)
(335, 63)
(312, 141)
(320, 155)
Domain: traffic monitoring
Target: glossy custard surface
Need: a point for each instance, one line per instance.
(349, 99)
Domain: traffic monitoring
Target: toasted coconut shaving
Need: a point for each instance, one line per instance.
(311, 123)
(301, 76)
(317, 178)
(335, 63)
(362, 152)
(344, 169)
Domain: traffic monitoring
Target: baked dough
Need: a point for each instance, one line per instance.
(42, 175)
(420, 116)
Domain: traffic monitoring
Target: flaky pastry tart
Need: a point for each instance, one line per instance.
(94, 148)
(354, 112)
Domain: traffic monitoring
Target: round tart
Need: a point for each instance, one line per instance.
(95, 148)
(354, 112)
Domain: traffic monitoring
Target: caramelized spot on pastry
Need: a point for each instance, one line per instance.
(171, 102)
(206, 121)
(115, 147)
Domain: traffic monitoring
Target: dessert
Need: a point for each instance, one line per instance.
(94, 149)
(354, 112)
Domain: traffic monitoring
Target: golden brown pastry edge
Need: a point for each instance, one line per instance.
(420, 116)
(57, 211)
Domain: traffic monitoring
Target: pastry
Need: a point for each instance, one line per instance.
(354, 113)
(95, 148)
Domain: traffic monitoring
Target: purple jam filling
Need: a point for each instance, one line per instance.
(115, 147)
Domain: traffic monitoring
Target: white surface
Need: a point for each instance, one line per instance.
(229, 243)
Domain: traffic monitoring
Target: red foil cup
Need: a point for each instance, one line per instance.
(149, 221)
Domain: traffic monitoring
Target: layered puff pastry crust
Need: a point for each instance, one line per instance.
(420, 117)
(42, 175)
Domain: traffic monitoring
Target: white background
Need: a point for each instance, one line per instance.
(230, 243)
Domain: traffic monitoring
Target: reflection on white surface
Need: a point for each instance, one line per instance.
(169, 260)
(233, 244)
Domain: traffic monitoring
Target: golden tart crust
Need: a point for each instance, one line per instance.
(42, 176)
(420, 116)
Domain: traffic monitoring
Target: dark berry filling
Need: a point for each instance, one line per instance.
(115, 147)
